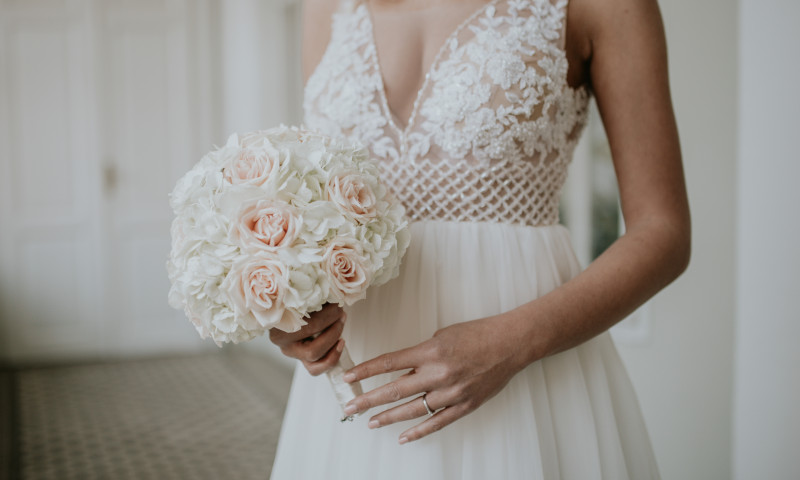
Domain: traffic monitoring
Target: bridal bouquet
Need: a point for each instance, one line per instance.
(274, 225)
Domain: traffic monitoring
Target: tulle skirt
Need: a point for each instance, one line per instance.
(573, 415)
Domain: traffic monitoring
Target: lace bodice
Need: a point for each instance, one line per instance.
(493, 127)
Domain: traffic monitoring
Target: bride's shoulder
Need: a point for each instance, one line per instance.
(595, 16)
(317, 17)
(597, 23)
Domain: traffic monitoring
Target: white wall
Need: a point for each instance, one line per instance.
(767, 394)
(260, 69)
(684, 375)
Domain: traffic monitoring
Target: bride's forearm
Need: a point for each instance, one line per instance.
(640, 263)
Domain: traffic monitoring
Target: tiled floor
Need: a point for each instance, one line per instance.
(215, 416)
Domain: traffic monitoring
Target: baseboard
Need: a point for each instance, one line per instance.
(8, 434)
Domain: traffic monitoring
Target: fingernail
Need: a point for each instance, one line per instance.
(349, 377)
(344, 317)
(374, 424)
(340, 346)
(350, 409)
(403, 440)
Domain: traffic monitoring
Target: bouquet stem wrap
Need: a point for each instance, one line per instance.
(344, 391)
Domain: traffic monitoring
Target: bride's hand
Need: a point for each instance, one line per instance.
(460, 368)
(318, 344)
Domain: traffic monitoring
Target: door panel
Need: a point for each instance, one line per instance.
(100, 113)
(49, 269)
(147, 139)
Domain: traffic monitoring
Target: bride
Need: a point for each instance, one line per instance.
(489, 357)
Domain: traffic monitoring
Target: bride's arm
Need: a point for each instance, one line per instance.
(629, 76)
(622, 44)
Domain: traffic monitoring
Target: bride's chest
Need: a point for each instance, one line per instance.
(407, 41)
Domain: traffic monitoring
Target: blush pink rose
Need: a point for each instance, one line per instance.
(353, 195)
(347, 269)
(256, 286)
(249, 167)
(266, 224)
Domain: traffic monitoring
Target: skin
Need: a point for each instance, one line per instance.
(616, 48)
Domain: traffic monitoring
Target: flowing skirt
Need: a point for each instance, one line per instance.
(573, 415)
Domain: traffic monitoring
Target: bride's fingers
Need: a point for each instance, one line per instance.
(407, 411)
(403, 387)
(314, 349)
(388, 362)
(317, 322)
(327, 362)
(435, 423)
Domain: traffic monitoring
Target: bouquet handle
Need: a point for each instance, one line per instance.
(344, 391)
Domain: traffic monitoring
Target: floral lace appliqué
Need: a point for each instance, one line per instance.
(494, 126)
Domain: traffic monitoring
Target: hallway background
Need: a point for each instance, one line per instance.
(105, 103)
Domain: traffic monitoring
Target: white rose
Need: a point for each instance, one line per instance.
(256, 285)
(353, 194)
(347, 269)
(251, 166)
(265, 224)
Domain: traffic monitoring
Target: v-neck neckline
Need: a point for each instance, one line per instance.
(388, 113)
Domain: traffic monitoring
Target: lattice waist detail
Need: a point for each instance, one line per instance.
(511, 192)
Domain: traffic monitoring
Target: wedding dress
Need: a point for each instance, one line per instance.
(479, 167)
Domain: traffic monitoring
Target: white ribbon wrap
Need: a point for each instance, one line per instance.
(344, 391)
